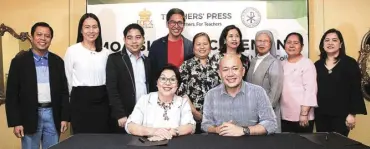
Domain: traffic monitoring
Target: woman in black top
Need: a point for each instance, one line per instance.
(339, 94)
(230, 42)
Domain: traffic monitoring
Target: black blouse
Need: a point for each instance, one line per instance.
(339, 89)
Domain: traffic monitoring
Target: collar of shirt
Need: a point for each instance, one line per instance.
(242, 89)
(130, 54)
(38, 58)
(198, 60)
(263, 56)
(154, 97)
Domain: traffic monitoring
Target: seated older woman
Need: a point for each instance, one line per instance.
(162, 115)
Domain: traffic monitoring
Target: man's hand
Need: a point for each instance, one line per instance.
(218, 129)
(122, 122)
(230, 129)
(18, 131)
(63, 126)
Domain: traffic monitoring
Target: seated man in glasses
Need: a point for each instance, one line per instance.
(162, 115)
(235, 107)
(172, 48)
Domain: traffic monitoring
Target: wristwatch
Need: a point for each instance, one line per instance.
(246, 131)
(177, 132)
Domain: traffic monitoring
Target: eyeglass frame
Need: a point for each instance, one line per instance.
(167, 80)
(175, 23)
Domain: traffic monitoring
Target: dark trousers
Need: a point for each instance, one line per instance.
(90, 111)
(289, 126)
(115, 128)
(328, 123)
(198, 129)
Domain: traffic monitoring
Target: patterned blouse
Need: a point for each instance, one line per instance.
(245, 61)
(197, 80)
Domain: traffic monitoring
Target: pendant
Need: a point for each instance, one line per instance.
(330, 71)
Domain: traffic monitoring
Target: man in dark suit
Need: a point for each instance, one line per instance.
(37, 92)
(128, 74)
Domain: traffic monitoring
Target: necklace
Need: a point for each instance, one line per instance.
(166, 107)
(331, 69)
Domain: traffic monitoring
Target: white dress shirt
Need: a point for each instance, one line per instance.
(85, 67)
(139, 74)
(259, 60)
(148, 113)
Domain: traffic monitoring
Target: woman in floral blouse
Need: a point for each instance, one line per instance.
(198, 75)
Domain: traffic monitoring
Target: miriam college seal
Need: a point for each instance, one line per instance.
(251, 17)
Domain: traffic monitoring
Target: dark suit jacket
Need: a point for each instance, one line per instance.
(121, 83)
(21, 94)
(159, 57)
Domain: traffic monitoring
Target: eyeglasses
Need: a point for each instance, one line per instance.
(173, 23)
(164, 80)
(264, 42)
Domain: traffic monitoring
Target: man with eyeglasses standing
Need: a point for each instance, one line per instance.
(172, 48)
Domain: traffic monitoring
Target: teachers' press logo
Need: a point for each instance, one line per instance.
(145, 20)
(251, 17)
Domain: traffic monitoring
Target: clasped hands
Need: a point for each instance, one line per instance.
(160, 134)
(229, 129)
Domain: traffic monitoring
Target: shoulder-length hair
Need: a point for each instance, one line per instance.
(98, 41)
(173, 68)
(222, 40)
(342, 49)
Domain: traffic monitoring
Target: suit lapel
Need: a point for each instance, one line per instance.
(32, 75)
(128, 64)
(52, 74)
(147, 71)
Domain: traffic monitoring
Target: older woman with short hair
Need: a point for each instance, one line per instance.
(298, 98)
(162, 115)
(266, 70)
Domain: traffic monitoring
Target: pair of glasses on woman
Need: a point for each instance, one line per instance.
(171, 80)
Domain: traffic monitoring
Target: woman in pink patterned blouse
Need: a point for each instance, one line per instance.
(299, 88)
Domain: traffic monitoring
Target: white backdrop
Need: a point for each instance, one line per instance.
(210, 17)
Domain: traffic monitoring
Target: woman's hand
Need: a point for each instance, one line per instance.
(303, 120)
(351, 121)
(162, 133)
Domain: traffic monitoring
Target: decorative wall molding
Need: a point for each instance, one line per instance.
(23, 36)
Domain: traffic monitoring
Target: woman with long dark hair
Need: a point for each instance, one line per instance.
(339, 96)
(85, 64)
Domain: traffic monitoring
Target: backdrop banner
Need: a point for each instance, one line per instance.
(280, 17)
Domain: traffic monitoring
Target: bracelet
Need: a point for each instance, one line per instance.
(304, 115)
